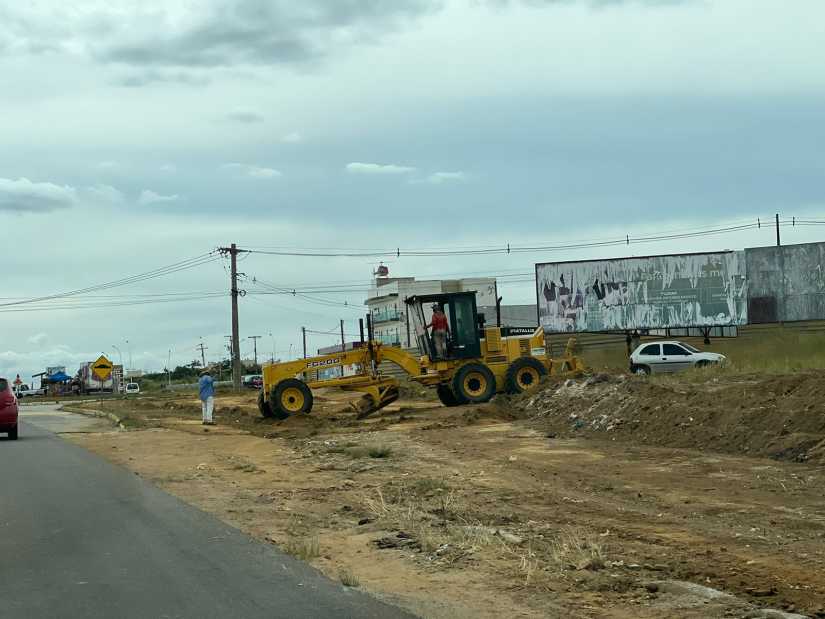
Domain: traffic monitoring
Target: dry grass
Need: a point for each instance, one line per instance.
(305, 548)
(347, 578)
(435, 516)
(577, 549)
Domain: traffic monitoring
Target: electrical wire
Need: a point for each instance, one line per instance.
(79, 304)
(132, 279)
(514, 249)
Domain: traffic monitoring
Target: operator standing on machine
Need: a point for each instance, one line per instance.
(441, 329)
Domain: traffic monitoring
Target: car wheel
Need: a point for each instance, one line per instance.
(13, 434)
(641, 370)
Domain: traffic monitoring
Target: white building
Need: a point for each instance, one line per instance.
(388, 310)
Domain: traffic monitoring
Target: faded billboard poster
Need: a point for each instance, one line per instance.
(687, 290)
(786, 283)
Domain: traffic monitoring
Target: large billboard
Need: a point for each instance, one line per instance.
(653, 292)
(786, 283)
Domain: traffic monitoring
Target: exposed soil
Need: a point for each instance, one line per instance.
(505, 510)
(780, 416)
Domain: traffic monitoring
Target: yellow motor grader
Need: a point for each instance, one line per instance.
(479, 362)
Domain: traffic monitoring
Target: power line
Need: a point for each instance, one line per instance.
(507, 248)
(317, 300)
(79, 304)
(132, 279)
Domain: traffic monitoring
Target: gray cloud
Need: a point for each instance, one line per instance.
(377, 168)
(243, 115)
(26, 196)
(592, 3)
(147, 197)
(23, 195)
(252, 171)
(206, 33)
(144, 78)
(438, 178)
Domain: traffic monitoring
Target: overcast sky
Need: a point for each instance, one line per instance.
(139, 134)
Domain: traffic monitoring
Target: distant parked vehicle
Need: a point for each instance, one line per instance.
(8, 410)
(132, 388)
(671, 356)
(253, 381)
(23, 391)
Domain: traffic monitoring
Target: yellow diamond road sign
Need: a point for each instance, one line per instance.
(102, 368)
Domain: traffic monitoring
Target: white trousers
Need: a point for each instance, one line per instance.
(208, 406)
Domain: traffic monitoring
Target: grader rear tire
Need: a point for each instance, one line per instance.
(289, 397)
(524, 374)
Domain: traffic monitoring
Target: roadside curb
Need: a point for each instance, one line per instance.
(93, 413)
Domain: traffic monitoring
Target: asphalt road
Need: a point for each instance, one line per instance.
(80, 537)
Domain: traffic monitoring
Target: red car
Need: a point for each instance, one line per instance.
(8, 410)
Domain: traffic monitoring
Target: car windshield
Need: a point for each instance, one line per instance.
(4, 384)
(689, 347)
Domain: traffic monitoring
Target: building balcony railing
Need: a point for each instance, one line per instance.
(389, 340)
(386, 316)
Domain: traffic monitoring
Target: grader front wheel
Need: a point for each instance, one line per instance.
(263, 406)
(289, 397)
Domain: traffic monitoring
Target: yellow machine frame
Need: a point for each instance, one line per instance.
(506, 364)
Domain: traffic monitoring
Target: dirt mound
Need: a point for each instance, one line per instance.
(781, 416)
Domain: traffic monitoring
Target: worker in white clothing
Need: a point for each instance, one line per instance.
(206, 385)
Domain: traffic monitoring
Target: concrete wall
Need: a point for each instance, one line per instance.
(786, 283)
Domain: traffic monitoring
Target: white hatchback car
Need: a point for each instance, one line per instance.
(132, 388)
(670, 356)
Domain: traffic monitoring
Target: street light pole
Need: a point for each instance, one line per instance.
(129, 348)
(119, 355)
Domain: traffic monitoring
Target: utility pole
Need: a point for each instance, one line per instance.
(304, 335)
(255, 339)
(777, 231)
(343, 343)
(236, 341)
(233, 252)
(203, 354)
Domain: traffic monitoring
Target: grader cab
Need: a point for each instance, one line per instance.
(477, 362)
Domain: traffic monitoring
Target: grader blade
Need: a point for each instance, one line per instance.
(367, 404)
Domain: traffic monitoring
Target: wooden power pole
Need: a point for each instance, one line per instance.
(203, 349)
(233, 252)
